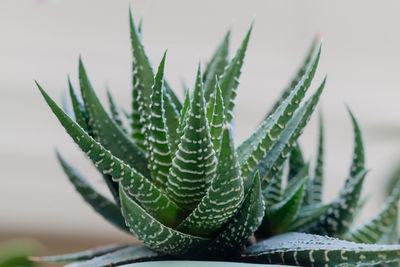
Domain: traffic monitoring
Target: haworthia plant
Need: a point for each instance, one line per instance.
(181, 186)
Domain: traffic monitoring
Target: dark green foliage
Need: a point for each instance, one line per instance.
(183, 189)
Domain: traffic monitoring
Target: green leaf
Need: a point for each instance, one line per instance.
(194, 164)
(217, 119)
(184, 113)
(172, 121)
(158, 147)
(273, 187)
(262, 141)
(282, 146)
(79, 256)
(149, 196)
(223, 197)
(102, 205)
(216, 67)
(106, 131)
(299, 74)
(312, 250)
(338, 218)
(358, 162)
(115, 112)
(280, 216)
(296, 161)
(376, 228)
(314, 186)
(242, 226)
(127, 255)
(229, 80)
(81, 117)
(157, 236)
(308, 214)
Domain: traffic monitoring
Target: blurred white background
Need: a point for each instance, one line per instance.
(42, 40)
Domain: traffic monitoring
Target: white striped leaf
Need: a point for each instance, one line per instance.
(171, 121)
(184, 113)
(299, 74)
(216, 118)
(144, 191)
(124, 256)
(223, 197)
(262, 141)
(106, 131)
(242, 226)
(315, 185)
(280, 151)
(102, 205)
(376, 228)
(78, 256)
(194, 164)
(81, 116)
(296, 161)
(216, 67)
(338, 218)
(229, 80)
(156, 235)
(313, 250)
(158, 148)
(114, 111)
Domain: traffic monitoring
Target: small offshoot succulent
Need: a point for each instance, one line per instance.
(183, 189)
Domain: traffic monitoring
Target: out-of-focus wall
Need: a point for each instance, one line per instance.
(42, 40)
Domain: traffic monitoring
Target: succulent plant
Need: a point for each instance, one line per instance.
(182, 188)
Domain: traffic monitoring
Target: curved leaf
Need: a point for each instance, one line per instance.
(115, 115)
(158, 148)
(149, 196)
(194, 164)
(223, 197)
(102, 205)
(156, 235)
(216, 67)
(296, 161)
(106, 131)
(242, 226)
(312, 250)
(375, 229)
(308, 214)
(78, 256)
(217, 118)
(229, 80)
(121, 256)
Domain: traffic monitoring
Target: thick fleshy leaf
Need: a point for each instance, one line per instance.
(282, 146)
(273, 188)
(279, 216)
(149, 196)
(194, 164)
(78, 256)
(217, 118)
(223, 197)
(172, 122)
(242, 226)
(184, 113)
(296, 161)
(299, 74)
(308, 214)
(106, 131)
(115, 114)
(102, 205)
(158, 148)
(264, 138)
(127, 255)
(312, 250)
(358, 162)
(314, 185)
(81, 116)
(216, 67)
(376, 228)
(157, 236)
(338, 218)
(229, 80)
